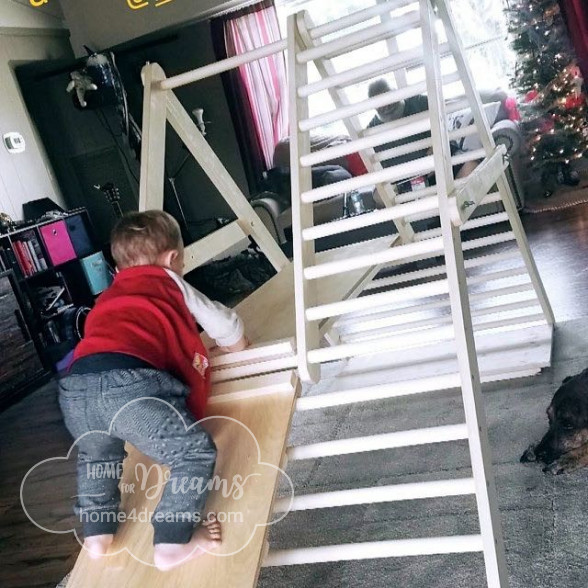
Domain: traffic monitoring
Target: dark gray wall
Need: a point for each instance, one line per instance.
(74, 139)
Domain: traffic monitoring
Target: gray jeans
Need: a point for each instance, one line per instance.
(104, 410)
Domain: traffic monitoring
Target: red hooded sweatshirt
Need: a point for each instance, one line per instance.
(150, 313)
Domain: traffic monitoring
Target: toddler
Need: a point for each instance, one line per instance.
(141, 358)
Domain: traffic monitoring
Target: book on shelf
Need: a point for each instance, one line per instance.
(23, 256)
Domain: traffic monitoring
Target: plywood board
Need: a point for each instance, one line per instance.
(235, 424)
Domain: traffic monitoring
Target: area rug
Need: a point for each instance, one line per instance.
(564, 197)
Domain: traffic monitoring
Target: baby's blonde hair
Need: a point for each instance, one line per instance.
(140, 238)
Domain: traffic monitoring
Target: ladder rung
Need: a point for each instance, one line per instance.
(416, 167)
(245, 370)
(361, 38)
(371, 218)
(396, 440)
(378, 494)
(413, 124)
(379, 392)
(439, 270)
(375, 550)
(385, 312)
(356, 18)
(476, 223)
(451, 106)
(374, 302)
(408, 339)
(370, 103)
(255, 353)
(422, 144)
(359, 334)
(359, 261)
(410, 58)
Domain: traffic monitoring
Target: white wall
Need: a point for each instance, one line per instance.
(100, 24)
(20, 14)
(26, 34)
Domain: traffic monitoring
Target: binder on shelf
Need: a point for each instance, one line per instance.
(97, 272)
(57, 242)
(78, 234)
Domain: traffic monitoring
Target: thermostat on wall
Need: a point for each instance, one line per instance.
(14, 142)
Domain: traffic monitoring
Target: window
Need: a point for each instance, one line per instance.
(481, 24)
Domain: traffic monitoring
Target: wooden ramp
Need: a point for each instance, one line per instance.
(236, 423)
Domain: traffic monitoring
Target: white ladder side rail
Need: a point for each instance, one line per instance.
(152, 178)
(488, 143)
(489, 516)
(326, 69)
(305, 291)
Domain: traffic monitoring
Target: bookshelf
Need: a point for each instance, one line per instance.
(60, 271)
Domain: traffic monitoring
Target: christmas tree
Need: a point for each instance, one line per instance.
(547, 77)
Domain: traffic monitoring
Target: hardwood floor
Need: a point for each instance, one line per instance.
(32, 430)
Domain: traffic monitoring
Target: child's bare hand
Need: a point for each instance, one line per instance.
(243, 343)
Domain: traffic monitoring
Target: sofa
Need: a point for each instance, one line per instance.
(274, 204)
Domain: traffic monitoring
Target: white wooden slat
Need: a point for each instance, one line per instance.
(390, 316)
(246, 370)
(378, 392)
(416, 167)
(375, 550)
(439, 270)
(359, 261)
(220, 177)
(231, 390)
(422, 144)
(476, 223)
(151, 181)
(361, 38)
(356, 17)
(372, 218)
(377, 494)
(528, 307)
(408, 339)
(218, 67)
(395, 440)
(356, 108)
(373, 302)
(393, 62)
(209, 247)
(255, 353)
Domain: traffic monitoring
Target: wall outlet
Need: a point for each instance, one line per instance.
(14, 142)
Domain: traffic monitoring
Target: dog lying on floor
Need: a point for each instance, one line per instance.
(564, 448)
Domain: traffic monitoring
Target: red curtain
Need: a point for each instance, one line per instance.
(575, 13)
(262, 86)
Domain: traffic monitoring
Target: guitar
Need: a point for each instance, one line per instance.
(112, 195)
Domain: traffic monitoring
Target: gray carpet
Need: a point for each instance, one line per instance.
(545, 518)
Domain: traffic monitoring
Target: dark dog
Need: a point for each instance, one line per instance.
(564, 448)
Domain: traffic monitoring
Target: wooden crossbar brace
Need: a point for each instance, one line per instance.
(162, 106)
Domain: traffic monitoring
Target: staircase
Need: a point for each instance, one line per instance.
(480, 314)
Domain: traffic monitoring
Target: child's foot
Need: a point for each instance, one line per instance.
(206, 538)
(97, 545)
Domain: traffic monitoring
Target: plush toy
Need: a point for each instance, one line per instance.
(81, 83)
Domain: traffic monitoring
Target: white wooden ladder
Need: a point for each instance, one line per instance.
(390, 321)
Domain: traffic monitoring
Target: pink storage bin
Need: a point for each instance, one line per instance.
(57, 242)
